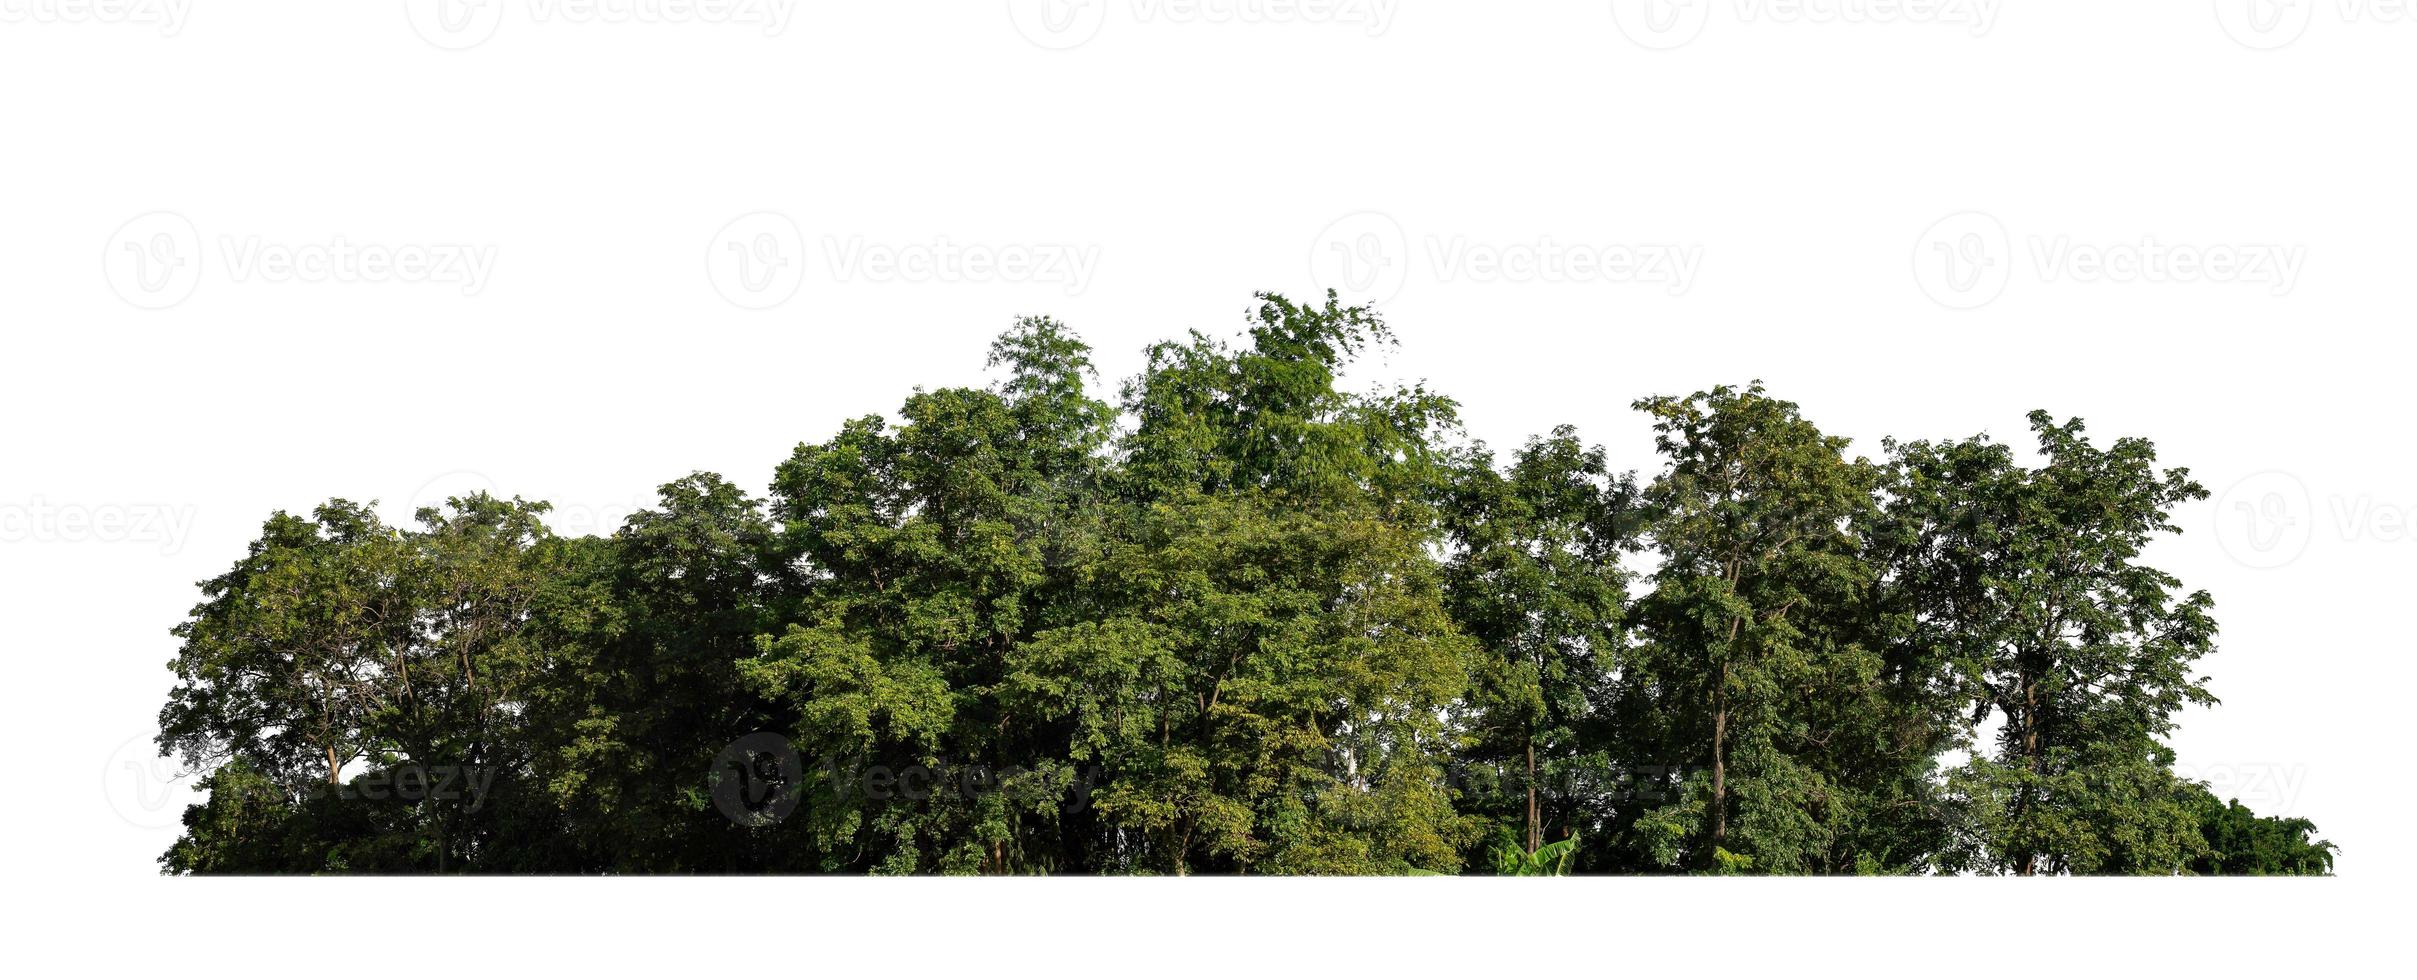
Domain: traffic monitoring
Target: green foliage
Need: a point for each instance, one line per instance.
(2240, 842)
(1551, 860)
(1240, 620)
(2081, 653)
(1755, 662)
(1536, 583)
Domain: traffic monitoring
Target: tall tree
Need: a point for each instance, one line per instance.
(406, 652)
(1536, 581)
(1743, 656)
(1265, 676)
(280, 660)
(1246, 621)
(2079, 652)
(644, 692)
(932, 550)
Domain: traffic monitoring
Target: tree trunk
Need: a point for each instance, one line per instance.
(2033, 753)
(1183, 847)
(327, 730)
(1535, 832)
(1720, 759)
(1720, 768)
(1720, 733)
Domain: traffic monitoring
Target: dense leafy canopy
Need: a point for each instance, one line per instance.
(1242, 621)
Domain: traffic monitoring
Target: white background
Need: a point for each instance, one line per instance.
(685, 216)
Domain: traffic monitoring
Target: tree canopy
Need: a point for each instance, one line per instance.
(1235, 618)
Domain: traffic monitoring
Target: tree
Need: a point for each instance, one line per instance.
(1743, 659)
(642, 691)
(342, 641)
(931, 552)
(1265, 695)
(2239, 842)
(1244, 620)
(1537, 583)
(1265, 671)
(277, 659)
(2079, 651)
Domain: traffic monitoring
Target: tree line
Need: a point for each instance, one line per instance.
(1238, 620)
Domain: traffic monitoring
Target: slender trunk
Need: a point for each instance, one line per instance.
(1720, 727)
(1720, 744)
(327, 729)
(1720, 767)
(2032, 758)
(1183, 845)
(1535, 832)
